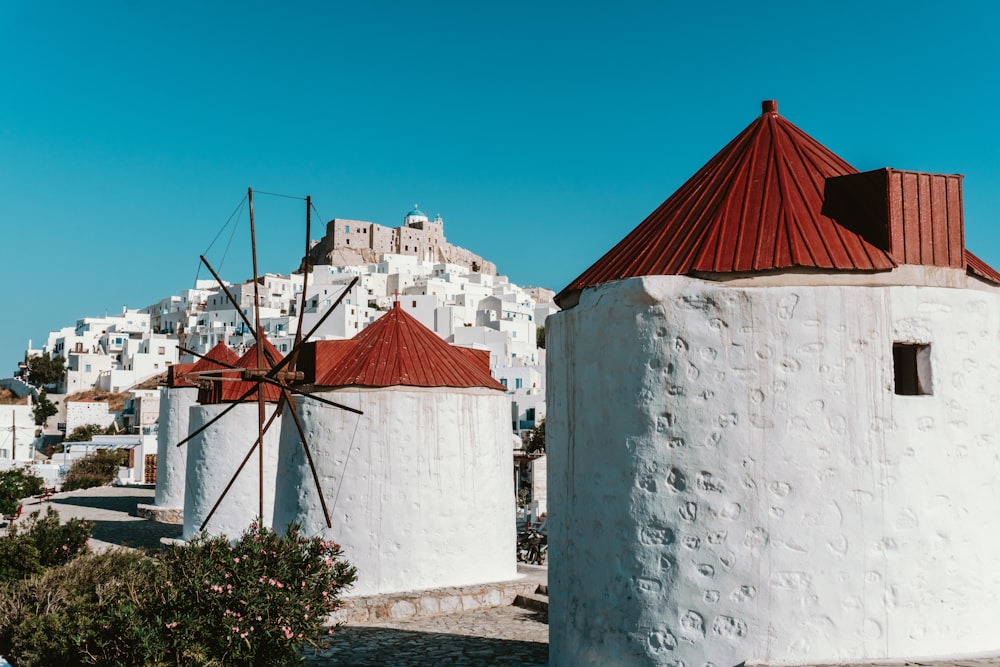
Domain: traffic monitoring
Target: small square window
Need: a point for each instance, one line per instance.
(911, 369)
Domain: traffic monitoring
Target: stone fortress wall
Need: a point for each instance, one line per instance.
(354, 242)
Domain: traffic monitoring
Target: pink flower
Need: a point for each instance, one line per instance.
(288, 632)
(172, 625)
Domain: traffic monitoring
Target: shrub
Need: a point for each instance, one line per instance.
(97, 469)
(16, 484)
(256, 601)
(253, 602)
(61, 617)
(41, 542)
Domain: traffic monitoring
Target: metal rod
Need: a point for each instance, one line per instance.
(281, 364)
(312, 465)
(299, 392)
(232, 299)
(218, 416)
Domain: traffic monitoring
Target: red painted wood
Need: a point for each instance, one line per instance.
(956, 217)
(939, 221)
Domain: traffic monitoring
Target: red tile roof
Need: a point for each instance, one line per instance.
(479, 357)
(231, 391)
(397, 350)
(175, 375)
(977, 267)
(755, 206)
(220, 353)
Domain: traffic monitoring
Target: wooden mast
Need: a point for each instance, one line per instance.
(258, 334)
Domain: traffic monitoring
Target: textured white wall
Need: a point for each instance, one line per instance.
(214, 456)
(81, 413)
(171, 461)
(420, 488)
(732, 477)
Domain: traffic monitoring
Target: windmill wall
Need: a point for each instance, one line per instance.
(214, 455)
(171, 461)
(732, 476)
(420, 487)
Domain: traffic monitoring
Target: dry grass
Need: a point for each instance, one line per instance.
(116, 402)
(7, 397)
(154, 382)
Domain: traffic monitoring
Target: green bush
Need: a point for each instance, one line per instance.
(97, 469)
(16, 484)
(41, 542)
(61, 616)
(257, 601)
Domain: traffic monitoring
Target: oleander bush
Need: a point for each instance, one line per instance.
(16, 484)
(39, 542)
(97, 469)
(61, 616)
(256, 601)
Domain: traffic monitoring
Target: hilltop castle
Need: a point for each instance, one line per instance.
(355, 242)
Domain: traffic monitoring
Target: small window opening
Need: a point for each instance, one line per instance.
(911, 365)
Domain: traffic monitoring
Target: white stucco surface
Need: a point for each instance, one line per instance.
(171, 460)
(213, 458)
(732, 476)
(420, 488)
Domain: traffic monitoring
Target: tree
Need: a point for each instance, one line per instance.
(16, 484)
(85, 433)
(97, 469)
(540, 337)
(536, 438)
(43, 370)
(44, 410)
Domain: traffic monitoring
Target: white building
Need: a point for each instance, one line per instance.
(771, 422)
(17, 432)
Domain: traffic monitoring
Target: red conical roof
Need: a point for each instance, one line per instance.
(220, 353)
(231, 391)
(397, 350)
(756, 206)
(175, 376)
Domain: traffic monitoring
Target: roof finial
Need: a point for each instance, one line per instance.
(769, 106)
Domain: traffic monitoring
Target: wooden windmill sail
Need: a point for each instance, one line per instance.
(262, 375)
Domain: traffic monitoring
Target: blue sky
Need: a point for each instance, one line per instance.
(542, 132)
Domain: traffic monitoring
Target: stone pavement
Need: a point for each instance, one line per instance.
(497, 636)
(112, 510)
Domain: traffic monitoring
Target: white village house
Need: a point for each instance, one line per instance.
(772, 424)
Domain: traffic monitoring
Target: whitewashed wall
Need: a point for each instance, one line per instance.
(420, 487)
(214, 456)
(733, 478)
(81, 413)
(171, 460)
(17, 433)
